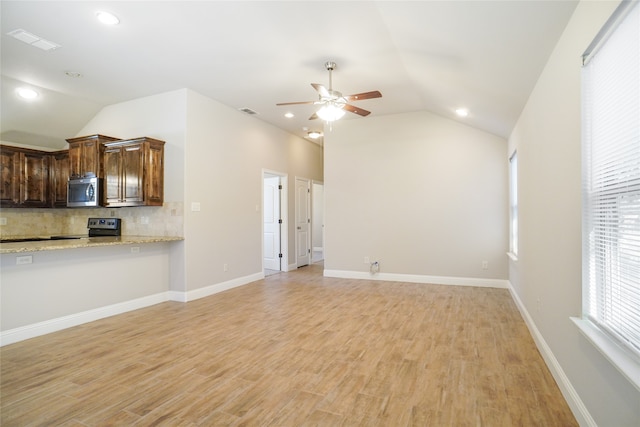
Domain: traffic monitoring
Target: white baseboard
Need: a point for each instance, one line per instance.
(214, 289)
(566, 388)
(42, 328)
(416, 278)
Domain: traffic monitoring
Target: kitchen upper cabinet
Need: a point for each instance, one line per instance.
(10, 175)
(25, 178)
(134, 172)
(85, 154)
(35, 179)
(59, 175)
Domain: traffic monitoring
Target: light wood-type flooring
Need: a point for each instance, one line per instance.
(294, 349)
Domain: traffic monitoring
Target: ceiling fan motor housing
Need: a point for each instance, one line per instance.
(334, 100)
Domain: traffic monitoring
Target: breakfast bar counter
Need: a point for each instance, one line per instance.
(84, 242)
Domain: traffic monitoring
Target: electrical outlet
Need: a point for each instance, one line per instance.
(225, 267)
(485, 265)
(144, 220)
(3, 221)
(135, 250)
(366, 260)
(195, 206)
(26, 259)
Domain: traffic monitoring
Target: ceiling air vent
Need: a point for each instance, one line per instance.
(33, 40)
(247, 110)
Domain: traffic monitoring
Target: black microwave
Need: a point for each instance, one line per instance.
(84, 192)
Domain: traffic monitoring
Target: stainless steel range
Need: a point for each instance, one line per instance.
(104, 227)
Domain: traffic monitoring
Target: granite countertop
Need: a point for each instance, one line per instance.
(84, 242)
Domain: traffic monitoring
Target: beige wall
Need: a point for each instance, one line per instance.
(547, 275)
(227, 151)
(421, 194)
(214, 155)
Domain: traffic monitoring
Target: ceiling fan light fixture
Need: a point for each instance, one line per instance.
(314, 134)
(330, 112)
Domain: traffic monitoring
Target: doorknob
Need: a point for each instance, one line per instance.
(299, 228)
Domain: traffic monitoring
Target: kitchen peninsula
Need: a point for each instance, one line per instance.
(50, 285)
(84, 242)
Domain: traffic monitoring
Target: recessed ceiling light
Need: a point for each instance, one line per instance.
(314, 134)
(462, 112)
(26, 93)
(107, 18)
(288, 115)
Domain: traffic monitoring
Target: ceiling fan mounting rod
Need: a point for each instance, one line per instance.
(330, 66)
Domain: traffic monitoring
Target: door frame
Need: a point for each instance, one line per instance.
(308, 202)
(284, 210)
(314, 220)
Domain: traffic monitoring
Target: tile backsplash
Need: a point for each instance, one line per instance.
(164, 220)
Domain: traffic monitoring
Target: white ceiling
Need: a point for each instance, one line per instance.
(422, 55)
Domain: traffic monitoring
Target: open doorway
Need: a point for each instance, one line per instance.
(274, 229)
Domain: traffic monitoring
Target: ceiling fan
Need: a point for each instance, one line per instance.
(333, 103)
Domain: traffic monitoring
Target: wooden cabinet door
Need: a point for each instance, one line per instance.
(112, 194)
(154, 175)
(59, 174)
(75, 159)
(84, 157)
(35, 179)
(91, 157)
(133, 174)
(10, 176)
(85, 154)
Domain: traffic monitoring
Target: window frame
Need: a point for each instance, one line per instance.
(513, 206)
(619, 349)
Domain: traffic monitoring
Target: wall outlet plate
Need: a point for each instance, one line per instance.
(25, 259)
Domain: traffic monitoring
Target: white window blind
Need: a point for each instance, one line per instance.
(611, 182)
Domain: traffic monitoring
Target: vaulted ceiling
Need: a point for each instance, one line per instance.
(421, 55)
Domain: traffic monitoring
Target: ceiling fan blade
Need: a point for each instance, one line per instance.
(363, 95)
(356, 110)
(314, 116)
(321, 90)
(296, 103)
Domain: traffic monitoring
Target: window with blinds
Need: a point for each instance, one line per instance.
(611, 179)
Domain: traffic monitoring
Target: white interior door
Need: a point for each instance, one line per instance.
(272, 223)
(317, 221)
(303, 221)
